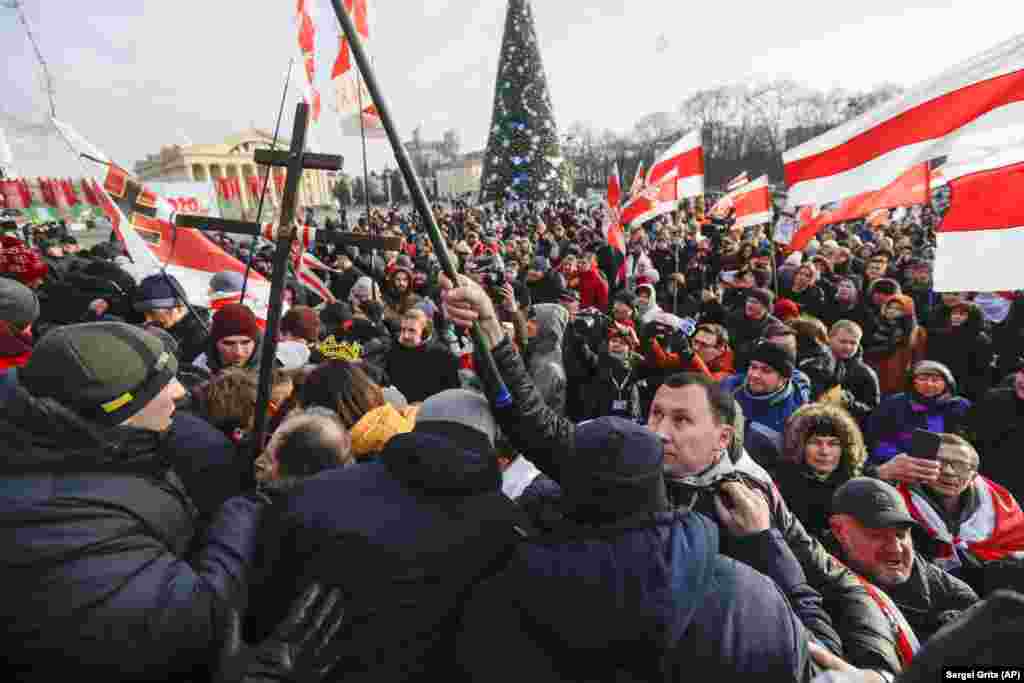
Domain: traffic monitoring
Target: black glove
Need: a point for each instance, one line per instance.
(679, 343)
(296, 650)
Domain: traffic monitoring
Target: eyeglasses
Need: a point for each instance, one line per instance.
(957, 467)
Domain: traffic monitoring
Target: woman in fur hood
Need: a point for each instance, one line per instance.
(823, 448)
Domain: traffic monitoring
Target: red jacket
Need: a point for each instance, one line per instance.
(593, 289)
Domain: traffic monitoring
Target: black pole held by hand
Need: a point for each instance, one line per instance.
(419, 197)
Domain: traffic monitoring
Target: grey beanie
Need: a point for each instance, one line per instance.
(18, 303)
(227, 281)
(462, 407)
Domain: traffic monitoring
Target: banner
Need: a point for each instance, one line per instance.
(677, 174)
(195, 198)
(229, 198)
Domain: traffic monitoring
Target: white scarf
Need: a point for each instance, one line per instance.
(517, 476)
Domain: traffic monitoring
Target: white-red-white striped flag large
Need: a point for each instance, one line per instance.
(677, 174)
(613, 213)
(981, 236)
(753, 203)
(976, 104)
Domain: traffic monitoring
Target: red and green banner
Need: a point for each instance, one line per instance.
(229, 197)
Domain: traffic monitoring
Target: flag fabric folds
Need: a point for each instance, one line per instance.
(737, 182)
(976, 104)
(753, 203)
(353, 97)
(677, 174)
(981, 235)
(307, 50)
(638, 181)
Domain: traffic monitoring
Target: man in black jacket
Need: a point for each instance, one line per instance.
(417, 366)
(98, 526)
(871, 526)
(861, 393)
(543, 436)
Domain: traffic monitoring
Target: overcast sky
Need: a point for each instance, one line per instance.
(133, 75)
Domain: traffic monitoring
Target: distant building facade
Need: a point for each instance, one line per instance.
(234, 158)
(461, 176)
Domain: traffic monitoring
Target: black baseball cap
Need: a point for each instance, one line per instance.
(873, 503)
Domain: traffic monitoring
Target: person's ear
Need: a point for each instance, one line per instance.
(725, 437)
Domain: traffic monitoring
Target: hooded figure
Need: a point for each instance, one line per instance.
(957, 339)
(646, 306)
(894, 343)
(545, 350)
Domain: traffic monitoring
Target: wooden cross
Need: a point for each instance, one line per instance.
(296, 160)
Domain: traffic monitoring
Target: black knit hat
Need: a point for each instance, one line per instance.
(779, 358)
(105, 372)
(615, 471)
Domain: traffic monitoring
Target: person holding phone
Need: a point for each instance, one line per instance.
(930, 403)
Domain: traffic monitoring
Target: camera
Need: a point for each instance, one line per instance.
(492, 272)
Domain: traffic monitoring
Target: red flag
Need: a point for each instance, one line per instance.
(70, 195)
(612, 224)
(116, 182)
(89, 191)
(25, 192)
(46, 186)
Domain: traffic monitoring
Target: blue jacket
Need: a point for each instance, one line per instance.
(209, 464)
(95, 531)
(404, 540)
(650, 600)
(891, 426)
(8, 381)
(766, 415)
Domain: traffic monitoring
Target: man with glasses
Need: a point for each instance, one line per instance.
(973, 526)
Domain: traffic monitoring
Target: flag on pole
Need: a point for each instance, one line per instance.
(981, 235)
(612, 224)
(753, 203)
(307, 51)
(976, 104)
(353, 97)
(638, 181)
(675, 175)
(737, 182)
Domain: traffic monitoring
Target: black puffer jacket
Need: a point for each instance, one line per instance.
(860, 382)
(191, 335)
(542, 436)
(95, 528)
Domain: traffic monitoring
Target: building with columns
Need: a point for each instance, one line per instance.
(234, 158)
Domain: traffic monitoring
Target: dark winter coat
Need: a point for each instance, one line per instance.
(860, 382)
(817, 362)
(404, 539)
(807, 496)
(95, 529)
(342, 283)
(931, 598)
(997, 427)
(615, 389)
(210, 465)
(966, 350)
(545, 437)
(812, 301)
(191, 335)
(649, 602)
(423, 371)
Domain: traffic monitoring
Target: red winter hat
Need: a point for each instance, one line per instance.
(19, 261)
(234, 320)
(786, 309)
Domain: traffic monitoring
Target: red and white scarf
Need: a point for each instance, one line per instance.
(994, 531)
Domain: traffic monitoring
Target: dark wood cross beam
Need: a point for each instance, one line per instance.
(296, 160)
(363, 241)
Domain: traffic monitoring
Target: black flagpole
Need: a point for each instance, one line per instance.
(419, 198)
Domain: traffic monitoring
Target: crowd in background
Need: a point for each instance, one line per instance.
(707, 451)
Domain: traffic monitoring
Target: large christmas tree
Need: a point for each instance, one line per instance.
(523, 160)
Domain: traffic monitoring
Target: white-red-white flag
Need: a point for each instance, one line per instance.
(353, 97)
(753, 203)
(981, 236)
(677, 174)
(304, 14)
(976, 104)
(638, 181)
(737, 182)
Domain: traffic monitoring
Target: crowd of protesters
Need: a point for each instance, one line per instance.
(706, 454)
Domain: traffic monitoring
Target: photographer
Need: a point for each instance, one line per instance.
(587, 331)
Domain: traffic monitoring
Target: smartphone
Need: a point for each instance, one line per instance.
(925, 444)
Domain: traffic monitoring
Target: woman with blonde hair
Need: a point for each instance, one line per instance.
(823, 448)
